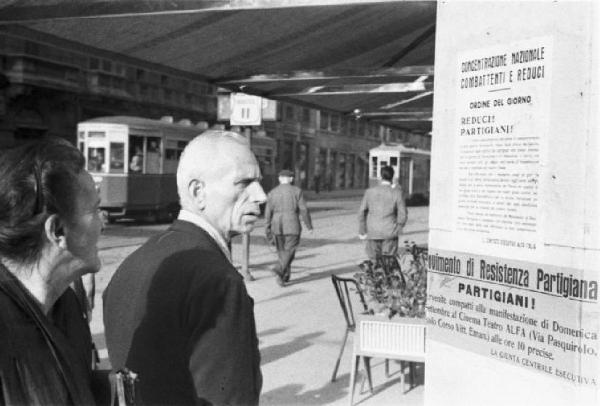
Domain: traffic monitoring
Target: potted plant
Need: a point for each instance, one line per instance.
(394, 290)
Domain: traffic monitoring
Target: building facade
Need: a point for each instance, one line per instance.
(48, 86)
(329, 150)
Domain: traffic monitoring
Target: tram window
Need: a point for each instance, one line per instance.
(393, 161)
(96, 159)
(136, 154)
(153, 155)
(374, 167)
(180, 146)
(170, 154)
(117, 157)
(173, 151)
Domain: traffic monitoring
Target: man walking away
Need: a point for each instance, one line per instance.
(381, 216)
(285, 206)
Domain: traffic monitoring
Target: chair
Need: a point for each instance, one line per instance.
(401, 339)
(343, 293)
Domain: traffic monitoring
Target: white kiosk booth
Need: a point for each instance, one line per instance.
(514, 246)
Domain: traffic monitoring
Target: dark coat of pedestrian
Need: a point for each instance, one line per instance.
(49, 230)
(285, 207)
(177, 312)
(381, 216)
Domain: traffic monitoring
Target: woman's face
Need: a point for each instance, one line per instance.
(84, 226)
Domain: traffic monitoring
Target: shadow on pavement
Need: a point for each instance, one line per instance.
(282, 295)
(393, 379)
(278, 351)
(305, 242)
(274, 260)
(292, 394)
(324, 274)
(272, 331)
(426, 230)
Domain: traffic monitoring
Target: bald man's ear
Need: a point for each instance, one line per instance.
(197, 191)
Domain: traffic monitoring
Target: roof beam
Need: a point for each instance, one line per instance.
(419, 117)
(401, 102)
(396, 114)
(14, 12)
(417, 86)
(354, 76)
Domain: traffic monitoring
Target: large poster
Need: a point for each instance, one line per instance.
(540, 317)
(502, 109)
(493, 293)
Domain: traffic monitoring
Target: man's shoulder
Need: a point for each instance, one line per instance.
(284, 189)
(376, 190)
(173, 260)
(180, 245)
(296, 189)
(275, 190)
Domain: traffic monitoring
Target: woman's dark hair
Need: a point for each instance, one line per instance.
(36, 180)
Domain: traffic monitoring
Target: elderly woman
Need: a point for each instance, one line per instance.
(49, 229)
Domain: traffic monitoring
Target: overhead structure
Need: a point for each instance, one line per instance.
(369, 59)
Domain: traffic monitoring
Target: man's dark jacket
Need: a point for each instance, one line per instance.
(177, 313)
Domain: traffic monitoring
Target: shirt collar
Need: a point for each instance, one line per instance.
(386, 182)
(201, 222)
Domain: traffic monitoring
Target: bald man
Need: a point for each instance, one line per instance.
(177, 312)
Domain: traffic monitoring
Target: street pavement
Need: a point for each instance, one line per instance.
(301, 325)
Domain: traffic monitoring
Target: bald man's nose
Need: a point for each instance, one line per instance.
(257, 194)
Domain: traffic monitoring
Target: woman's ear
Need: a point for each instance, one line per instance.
(197, 190)
(55, 231)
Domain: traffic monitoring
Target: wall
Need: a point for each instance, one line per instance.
(514, 229)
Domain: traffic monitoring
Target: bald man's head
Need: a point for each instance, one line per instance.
(217, 173)
(206, 156)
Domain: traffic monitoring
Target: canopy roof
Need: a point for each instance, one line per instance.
(371, 59)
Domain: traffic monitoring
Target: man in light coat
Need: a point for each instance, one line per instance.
(285, 206)
(381, 216)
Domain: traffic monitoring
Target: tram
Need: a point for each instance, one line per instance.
(411, 169)
(134, 160)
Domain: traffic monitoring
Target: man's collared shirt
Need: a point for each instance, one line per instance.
(193, 218)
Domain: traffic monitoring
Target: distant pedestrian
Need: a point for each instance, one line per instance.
(285, 206)
(177, 312)
(382, 215)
